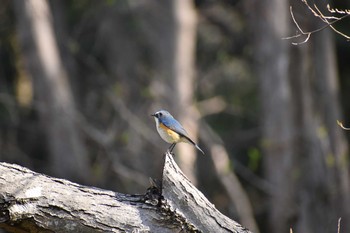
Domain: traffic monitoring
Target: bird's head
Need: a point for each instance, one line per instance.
(161, 114)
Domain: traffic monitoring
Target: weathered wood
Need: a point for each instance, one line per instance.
(32, 202)
(189, 202)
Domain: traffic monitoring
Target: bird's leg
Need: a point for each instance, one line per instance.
(172, 147)
(169, 148)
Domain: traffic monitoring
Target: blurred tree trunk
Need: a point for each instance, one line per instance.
(175, 62)
(183, 76)
(334, 144)
(53, 97)
(64, 45)
(272, 62)
(321, 148)
(304, 124)
(308, 149)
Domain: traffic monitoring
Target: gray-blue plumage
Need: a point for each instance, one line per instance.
(169, 121)
(164, 122)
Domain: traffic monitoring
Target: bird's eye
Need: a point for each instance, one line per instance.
(160, 114)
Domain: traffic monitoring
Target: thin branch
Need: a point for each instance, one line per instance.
(342, 126)
(324, 19)
(317, 12)
(299, 28)
(335, 10)
(295, 21)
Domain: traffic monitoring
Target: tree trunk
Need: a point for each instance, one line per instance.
(321, 147)
(32, 202)
(324, 177)
(174, 46)
(53, 98)
(272, 62)
(310, 162)
(327, 92)
(183, 77)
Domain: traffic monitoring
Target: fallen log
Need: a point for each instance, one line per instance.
(33, 202)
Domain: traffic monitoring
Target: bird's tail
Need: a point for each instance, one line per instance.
(189, 140)
(199, 148)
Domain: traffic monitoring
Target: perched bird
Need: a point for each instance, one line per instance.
(171, 131)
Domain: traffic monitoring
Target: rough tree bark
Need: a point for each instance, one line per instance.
(32, 202)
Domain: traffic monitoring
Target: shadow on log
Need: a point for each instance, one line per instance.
(32, 202)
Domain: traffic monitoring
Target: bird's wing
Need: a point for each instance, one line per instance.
(177, 127)
(174, 125)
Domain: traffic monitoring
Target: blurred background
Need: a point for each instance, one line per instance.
(79, 80)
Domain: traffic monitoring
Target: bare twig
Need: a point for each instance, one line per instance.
(335, 10)
(342, 126)
(299, 28)
(339, 225)
(326, 19)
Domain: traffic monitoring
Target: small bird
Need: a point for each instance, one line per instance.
(171, 131)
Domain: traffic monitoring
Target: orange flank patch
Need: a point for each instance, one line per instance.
(172, 134)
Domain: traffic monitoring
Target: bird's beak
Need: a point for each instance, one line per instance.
(153, 115)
